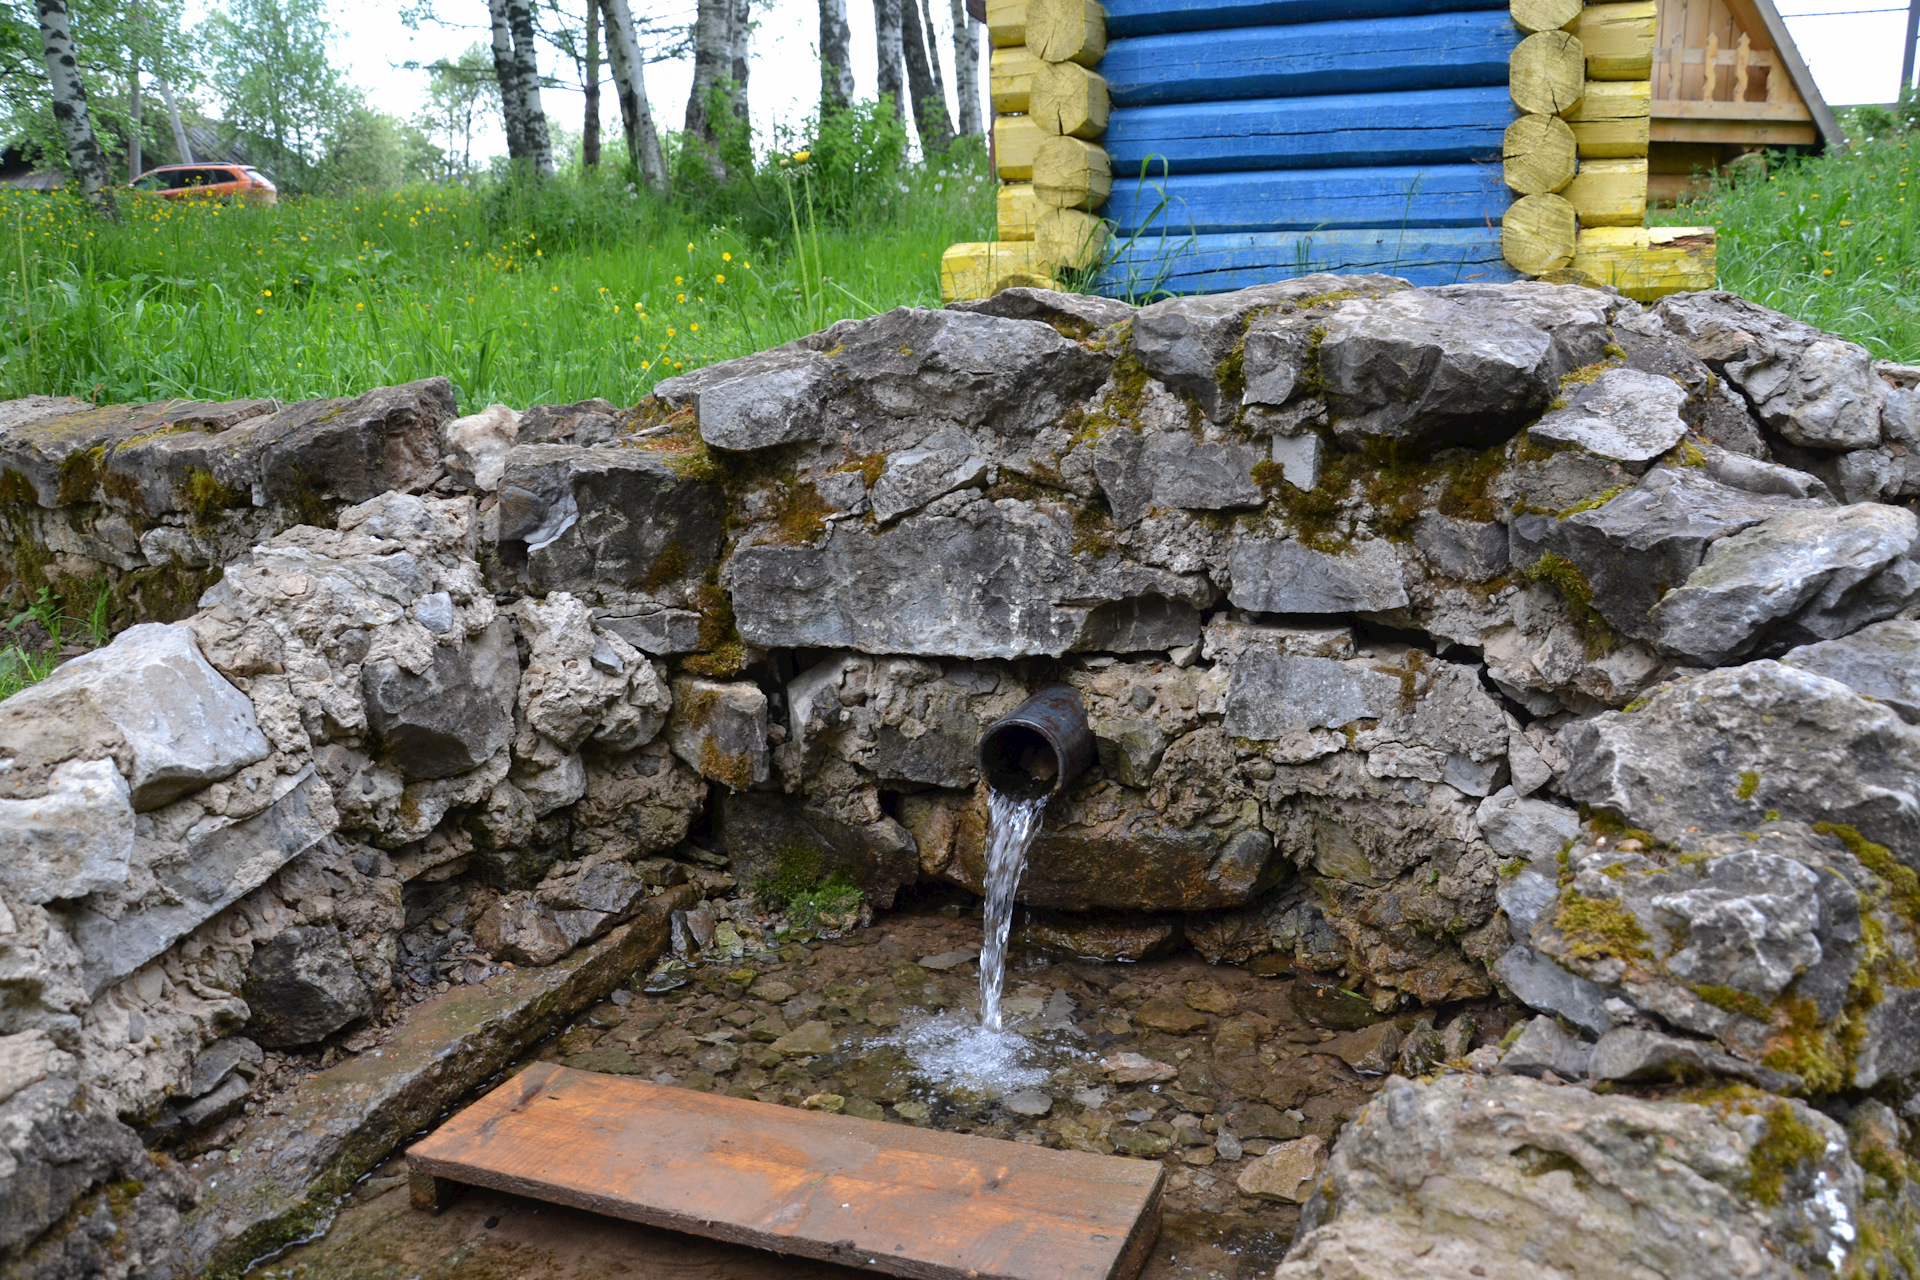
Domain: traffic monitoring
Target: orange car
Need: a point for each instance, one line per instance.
(208, 182)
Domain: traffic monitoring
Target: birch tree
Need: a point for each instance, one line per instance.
(929, 103)
(886, 39)
(84, 157)
(712, 60)
(836, 58)
(527, 69)
(966, 70)
(513, 105)
(629, 86)
(590, 90)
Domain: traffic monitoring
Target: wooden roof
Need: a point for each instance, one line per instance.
(1727, 71)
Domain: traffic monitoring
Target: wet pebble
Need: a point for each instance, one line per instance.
(1028, 1102)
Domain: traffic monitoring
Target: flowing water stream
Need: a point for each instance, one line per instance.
(1011, 827)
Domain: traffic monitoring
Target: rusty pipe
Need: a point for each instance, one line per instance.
(1039, 747)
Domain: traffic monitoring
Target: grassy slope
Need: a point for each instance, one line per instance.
(1833, 239)
(588, 291)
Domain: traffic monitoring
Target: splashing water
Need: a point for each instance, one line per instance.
(1010, 833)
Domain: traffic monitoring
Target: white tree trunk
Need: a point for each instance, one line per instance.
(929, 103)
(636, 116)
(590, 83)
(966, 69)
(836, 57)
(180, 142)
(507, 71)
(84, 157)
(136, 163)
(739, 32)
(886, 39)
(712, 63)
(527, 64)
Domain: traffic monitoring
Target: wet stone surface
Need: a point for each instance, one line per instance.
(1230, 1079)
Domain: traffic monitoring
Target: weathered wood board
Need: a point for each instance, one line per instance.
(1454, 195)
(892, 1198)
(1436, 51)
(1146, 17)
(1436, 126)
(1215, 264)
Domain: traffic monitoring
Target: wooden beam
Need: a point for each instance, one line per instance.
(1538, 154)
(1069, 99)
(1007, 23)
(1010, 78)
(1439, 126)
(1545, 15)
(1772, 112)
(890, 1199)
(1733, 133)
(1618, 39)
(1432, 51)
(1066, 30)
(1069, 173)
(980, 270)
(1547, 72)
(1761, 15)
(1128, 18)
(1610, 120)
(1214, 264)
(1015, 140)
(1609, 193)
(1537, 234)
(1413, 196)
(1016, 210)
(1645, 263)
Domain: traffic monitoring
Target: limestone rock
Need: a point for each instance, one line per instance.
(1543, 1047)
(915, 477)
(1716, 752)
(1369, 1050)
(1634, 1053)
(1815, 390)
(720, 729)
(1287, 1173)
(772, 403)
(302, 987)
(525, 932)
(1881, 661)
(1110, 938)
(1468, 550)
(763, 835)
(1519, 1176)
(479, 443)
(1272, 694)
(1142, 470)
(1532, 829)
(183, 724)
(636, 803)
(1799, 577)
(1623, 414)
(991, 580)
(580, 681)
(1457, 364)
(1539, 983)
(1282, 576)
(1049, 306)
(75, 839)
(451, 717)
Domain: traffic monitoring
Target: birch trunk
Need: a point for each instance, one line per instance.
(966, 70)
(526, 62)
(712, 60)
(180, 142)
(136, 163)
(739, 32)
(84, 157)
(836, 57)
(636, 115)
(507, 71)
(929, 105)
(590, 90)
(886, 38)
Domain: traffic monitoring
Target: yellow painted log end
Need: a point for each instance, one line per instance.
(982, 269)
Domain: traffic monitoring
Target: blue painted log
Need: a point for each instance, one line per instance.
(1455, 195)
(1434, 51)
(1128, 18)
(1431, 126)
(1164, 265)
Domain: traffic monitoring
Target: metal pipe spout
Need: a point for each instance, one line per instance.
(1040, 747)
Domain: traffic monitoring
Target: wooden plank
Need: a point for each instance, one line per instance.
(1645, 263)
(1772, 112)
(1732, 133)
(1007, 23)
(1618, 39)
(1459, 195)
(1436, 126)
(1015, 140)
(1431, 51)
(1016, 210)
(1010, 79)
(1609, 193)
(1214, 264)
(1610, 120)
(982, 269)
(893, 1198)
(1128, 18)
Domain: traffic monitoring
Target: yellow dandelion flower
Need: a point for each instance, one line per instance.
(719, 279)
(802, 156)
(671, 332)
(693, 328)
(679, 297)
(266, 293)
(681, 279)
(726, 257)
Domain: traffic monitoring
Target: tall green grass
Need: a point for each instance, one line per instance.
(521, 293)
(1833, 240)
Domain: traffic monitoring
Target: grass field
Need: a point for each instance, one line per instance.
(582, 288)
(1832, 239)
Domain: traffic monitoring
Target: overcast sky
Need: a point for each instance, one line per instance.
(1855, 56)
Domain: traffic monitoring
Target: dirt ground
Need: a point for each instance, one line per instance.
(1254, 1062)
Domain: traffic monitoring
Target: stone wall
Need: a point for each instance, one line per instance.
(1441, 642)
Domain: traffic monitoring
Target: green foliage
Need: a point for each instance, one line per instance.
(1596, 928)
(1831, 239)
(1788, 1142)
(27, 658)
(278, 83)
(812, 898)
(1578, 592)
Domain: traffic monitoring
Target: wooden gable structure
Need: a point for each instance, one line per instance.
(1727, 82)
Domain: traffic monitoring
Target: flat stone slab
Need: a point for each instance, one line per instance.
(294, 1167)
(892, 1198)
